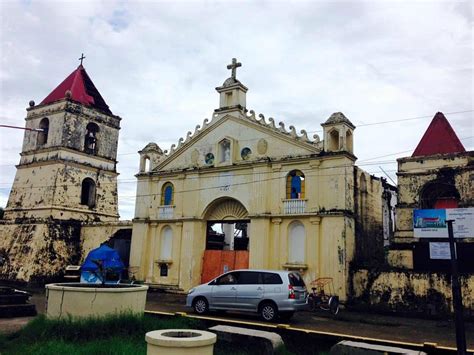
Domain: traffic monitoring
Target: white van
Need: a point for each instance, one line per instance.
(270, 293)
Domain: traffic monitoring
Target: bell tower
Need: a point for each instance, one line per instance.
(66, 179)
(67, 169)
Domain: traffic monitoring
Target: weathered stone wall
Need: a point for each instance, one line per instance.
(38, 252)
(408, 291)
(67, 128)
(414, 173)
(53, 189)
(368, 212)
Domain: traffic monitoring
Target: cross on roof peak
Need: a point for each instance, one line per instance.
(234, 65)
(82, 58)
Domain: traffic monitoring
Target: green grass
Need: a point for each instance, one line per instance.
(124, 334)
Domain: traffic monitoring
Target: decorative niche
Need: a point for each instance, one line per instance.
(225, 151)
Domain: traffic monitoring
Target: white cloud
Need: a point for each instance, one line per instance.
(156, 63)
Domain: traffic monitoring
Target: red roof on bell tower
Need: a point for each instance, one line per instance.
(82, 91)
(439, 138)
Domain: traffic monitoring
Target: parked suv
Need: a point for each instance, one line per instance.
(272, 294)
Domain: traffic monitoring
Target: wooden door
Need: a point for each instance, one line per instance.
(217, 262)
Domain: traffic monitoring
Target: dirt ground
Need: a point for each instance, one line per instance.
(387, 327)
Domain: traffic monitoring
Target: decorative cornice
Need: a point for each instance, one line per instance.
(251, 117)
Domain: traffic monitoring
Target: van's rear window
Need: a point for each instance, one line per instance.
(296, 280)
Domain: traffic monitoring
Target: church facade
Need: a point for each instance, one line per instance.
(240, 191)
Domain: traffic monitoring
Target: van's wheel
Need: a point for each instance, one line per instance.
(200, 305)
(268, 312)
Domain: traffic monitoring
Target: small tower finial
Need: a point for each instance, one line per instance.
(82, 58)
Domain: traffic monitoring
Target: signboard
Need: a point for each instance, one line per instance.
(440, 251)
(432, 223)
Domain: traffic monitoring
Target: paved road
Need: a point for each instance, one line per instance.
(394, 328)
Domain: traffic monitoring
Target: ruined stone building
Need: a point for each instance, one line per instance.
(64, 197)
(438, 175)
(242, 191)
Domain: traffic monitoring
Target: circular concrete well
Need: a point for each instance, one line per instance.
(180, 341)
(85, 300)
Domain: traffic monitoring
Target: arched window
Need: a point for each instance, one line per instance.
(296, 243)
(166, 243)
(295, 185)
(333, 137)
(43, 136)
(436, 195)
(88, 192)
(90, 142)
(167, 193)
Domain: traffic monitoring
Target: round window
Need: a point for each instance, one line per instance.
(245, 153)
(209, 159)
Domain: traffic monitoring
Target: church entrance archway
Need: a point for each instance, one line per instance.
(227, 238)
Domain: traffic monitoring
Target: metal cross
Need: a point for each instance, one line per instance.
(82, 57)
(234, 66)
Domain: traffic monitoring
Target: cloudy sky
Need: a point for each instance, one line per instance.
(157, 63)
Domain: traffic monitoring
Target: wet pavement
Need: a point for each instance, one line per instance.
(370, 325)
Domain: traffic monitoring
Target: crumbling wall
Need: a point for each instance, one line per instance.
(368, 213)
(415, 173)
(38, 252)
(94, 234)
(408, 291)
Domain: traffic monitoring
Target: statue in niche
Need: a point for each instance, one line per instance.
(225, 151)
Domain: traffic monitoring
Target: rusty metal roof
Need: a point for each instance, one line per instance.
(78, 87)
(439, 138)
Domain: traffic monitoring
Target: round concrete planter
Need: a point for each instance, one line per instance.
(180, 341)
(84, 300)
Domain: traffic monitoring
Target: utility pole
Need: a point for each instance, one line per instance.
(457, 295)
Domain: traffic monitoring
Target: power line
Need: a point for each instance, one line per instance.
(357, 125)
(359, 163)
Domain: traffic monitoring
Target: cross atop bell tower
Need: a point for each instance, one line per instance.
(82, 58)
(232, 92)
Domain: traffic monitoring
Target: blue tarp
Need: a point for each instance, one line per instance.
(110, 260)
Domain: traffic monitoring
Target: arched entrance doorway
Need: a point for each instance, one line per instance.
(227, 238)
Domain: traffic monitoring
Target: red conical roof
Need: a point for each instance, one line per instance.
(82, 90)
(439, 138)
